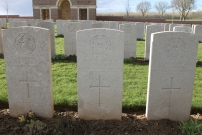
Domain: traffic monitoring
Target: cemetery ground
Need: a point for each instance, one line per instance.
(65, 120)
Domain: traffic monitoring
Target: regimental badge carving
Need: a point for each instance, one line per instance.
(25, 43)
(174, 48)
(100, 40)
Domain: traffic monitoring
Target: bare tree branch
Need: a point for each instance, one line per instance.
(143, 7)
(161, 7)
(184, 7)
(128, 8)
(6, 6)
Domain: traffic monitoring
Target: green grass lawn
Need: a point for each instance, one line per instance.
(64, 77)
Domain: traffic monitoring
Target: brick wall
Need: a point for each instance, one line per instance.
(92, 14)
(121, 18)
(74, 14)
(44, 2)
(74, 2)
(36, 13)
(54, 14)
(9, 16)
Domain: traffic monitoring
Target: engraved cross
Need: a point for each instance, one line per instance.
(100, 87)
(171, 88)
(27, 81)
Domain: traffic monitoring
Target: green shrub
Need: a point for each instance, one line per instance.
(191, 127)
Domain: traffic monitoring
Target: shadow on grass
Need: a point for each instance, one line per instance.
(59, 36)
(136, 61)
(139, 39)
(1, 56)
(62, 58)
(199, 64)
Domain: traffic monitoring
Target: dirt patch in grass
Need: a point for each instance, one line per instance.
(68, 123)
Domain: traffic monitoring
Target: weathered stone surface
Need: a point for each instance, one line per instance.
(149, 30)
(97, 25)
(27, 56)
(105, 24)
(50, 26)
(86, 24)
(70, 37)
(129, 39)
(183, 29)
(18, 24)
(1, 42)
(113, 25)
(11, 20)
(33, 22)
(171, 75)
(140, 30)
(99, 52)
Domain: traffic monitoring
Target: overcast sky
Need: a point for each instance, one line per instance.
(24, 7)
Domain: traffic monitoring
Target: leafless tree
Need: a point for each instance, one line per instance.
(183, 7)
(6, 6)
(161, 7)
(143, 7)
(128, 8)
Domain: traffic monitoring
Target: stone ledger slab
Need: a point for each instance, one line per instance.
(28, 71)
(99, 52)
(171, 75)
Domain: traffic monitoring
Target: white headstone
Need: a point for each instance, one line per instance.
(183, 29)
(145, 25)
(198, 30)
(173, 25)
(60, 27)
(149, 30)
(50, 26)
(189, 25)
(18, 24)
(99, 52)
(27, 55)
(105, 24)
(140, 30)
(171, 75)
(70, 37)
(3, 23)
(33, 22)
(97, 25)
(113, 25)
(1, 42)
(166, 26)
(129, 39)
(86, 24)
